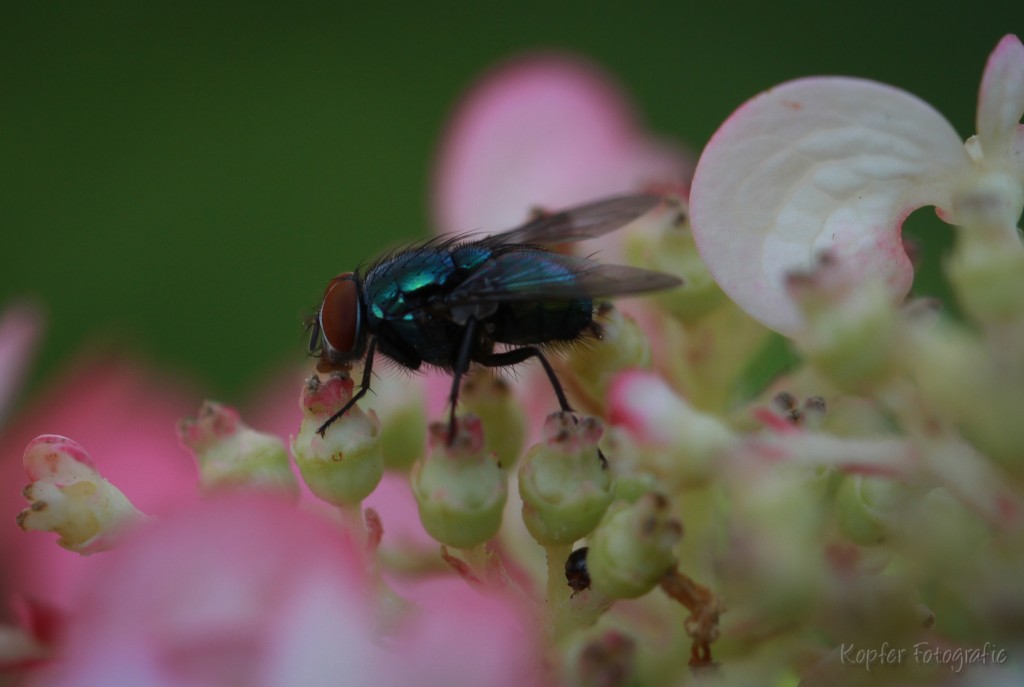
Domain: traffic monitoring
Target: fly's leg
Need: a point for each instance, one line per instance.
(364, 386)
(461, 367)
(518, 355)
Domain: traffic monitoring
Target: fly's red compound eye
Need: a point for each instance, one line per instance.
(339, 314)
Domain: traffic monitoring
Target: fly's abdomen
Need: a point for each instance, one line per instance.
(538, 322)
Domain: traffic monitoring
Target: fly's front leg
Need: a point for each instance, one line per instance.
(364, 386)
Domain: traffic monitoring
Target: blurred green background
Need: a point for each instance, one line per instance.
(182, 178)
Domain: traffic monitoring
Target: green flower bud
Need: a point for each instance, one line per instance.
(399, 403)
(850, 333)
(229, 453)
(489, 397)
(988, 277)
(564, 481)
(600, 656)
(344, 465)
(459, 488)
(866, 506)
(620, 345)
(632, 549)
(674, 251)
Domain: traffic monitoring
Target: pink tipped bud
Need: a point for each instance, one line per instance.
(459, 488)
(230, 453)
(489, 397)
(68, 496)
(346, 463)
(564, 482)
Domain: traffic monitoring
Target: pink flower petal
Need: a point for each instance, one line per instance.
(543, 130)
(461, 637)
(644, 404)
(198, 597)
(813, 165)
(1001, 99)
(20, 328)
(125, 414)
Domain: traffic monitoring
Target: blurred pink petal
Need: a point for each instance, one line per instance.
(198, 598)
(20, 327)
(544, 130)
(243, 589)
(126, 415)
(460, 637)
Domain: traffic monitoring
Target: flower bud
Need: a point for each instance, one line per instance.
(459, 488)
(866, 507)
(677, 442)
(344, 465)
(958, 375)
(564, 481)
(987, 273)
(674, 251)
(399, 403)
(988, 202)
(850, 323)
(230, 453)
(489, 397)
(620, 345)
(68, 496)
(605, 657)
(632, 548)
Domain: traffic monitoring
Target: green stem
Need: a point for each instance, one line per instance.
(352, 518)
(559, 617)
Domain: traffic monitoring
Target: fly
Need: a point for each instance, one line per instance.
(495, 301)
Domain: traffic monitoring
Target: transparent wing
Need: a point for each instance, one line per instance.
(579, 223)
(538, 275)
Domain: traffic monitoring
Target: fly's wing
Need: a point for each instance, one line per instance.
(579, 223)
(538, 275)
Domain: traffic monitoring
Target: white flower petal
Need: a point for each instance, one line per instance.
(812, 165)
(1001, 99)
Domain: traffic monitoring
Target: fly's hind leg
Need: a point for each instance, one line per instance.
(518, 355)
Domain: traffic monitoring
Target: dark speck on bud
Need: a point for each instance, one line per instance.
(576, 573)
(811, 412)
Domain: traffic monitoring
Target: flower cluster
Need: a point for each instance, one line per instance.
(783, 472)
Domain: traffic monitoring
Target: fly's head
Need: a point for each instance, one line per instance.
(338, 333)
